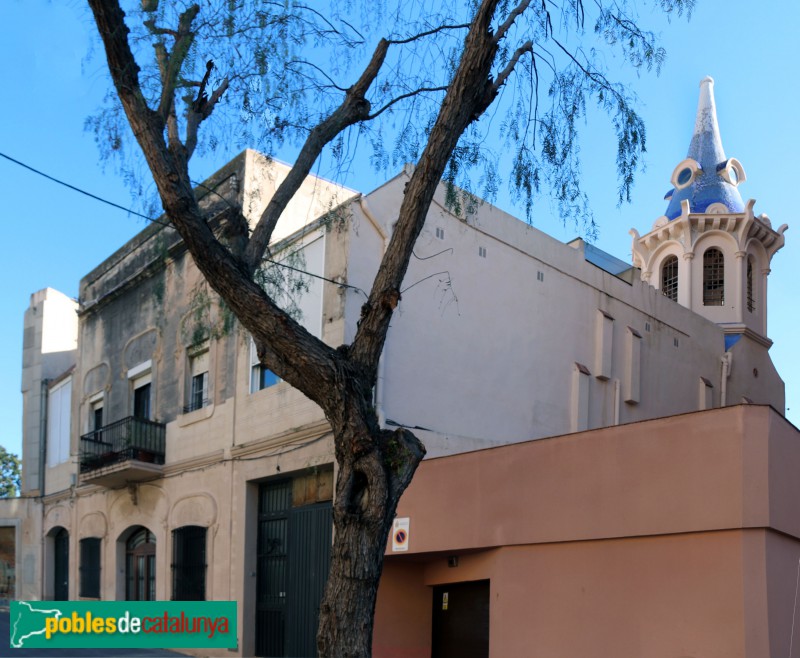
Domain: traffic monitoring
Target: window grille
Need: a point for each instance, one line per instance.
(751, 300)
(713, 278)
(669, 278)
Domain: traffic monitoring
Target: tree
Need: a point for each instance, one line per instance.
(428, 82)
(9, 474)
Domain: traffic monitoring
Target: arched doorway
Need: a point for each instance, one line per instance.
(140, 566)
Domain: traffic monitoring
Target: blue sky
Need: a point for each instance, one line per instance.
(54, 236)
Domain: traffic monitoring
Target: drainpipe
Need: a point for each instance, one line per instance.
(726, 360)
(362, 201)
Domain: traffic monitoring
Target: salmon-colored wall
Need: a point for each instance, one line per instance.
(676, 595)
(783, 562)
(674, 537)
(403, 612)
(690, 473)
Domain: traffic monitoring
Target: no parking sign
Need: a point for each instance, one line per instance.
(400, 534)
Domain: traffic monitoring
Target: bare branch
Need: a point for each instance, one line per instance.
(506, 26)
(526, 47)
(324, 74)
(200, 110)
(354, 108)
(416, 92)
(176, 58)
(468, 96)
(436, 30)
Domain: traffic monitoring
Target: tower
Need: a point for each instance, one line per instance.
(709, 252)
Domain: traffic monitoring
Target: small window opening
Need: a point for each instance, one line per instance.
(669, 278)
(261, 377)
(751, 301)
(713, 278)
(198, 389)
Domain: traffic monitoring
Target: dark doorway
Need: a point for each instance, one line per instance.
(140, 566)
(461, 620)
(294, 546)
(61, 565)
(141, 402)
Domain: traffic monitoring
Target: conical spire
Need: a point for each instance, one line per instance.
(709, 183)
(706, 145)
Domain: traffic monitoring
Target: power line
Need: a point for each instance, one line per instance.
(77, 189)
(160, 223)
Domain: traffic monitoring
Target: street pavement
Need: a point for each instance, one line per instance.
(7, 651)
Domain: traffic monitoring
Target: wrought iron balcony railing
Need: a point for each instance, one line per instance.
(123, 440)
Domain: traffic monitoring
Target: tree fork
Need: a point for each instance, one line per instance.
(368, 489)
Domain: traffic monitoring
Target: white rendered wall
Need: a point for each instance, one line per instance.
(485, 341)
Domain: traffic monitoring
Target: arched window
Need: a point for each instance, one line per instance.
(140, 567)
(713, 278)
(751, 299)
(669, 278)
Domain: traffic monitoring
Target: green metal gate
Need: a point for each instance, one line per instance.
(294, 546)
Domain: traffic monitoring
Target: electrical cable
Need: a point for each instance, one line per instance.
(77, 189)
(160, 223)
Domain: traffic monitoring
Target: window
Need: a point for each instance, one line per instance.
(669, 278)
(97, 416)
(751, 300)
(261, 377)
(189, 563)
(713, 278)
(90, 568)
(141, 401)
(140, 378)
(198, 389)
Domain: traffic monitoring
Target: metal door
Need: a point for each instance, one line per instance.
(293, 559)
(461, 620)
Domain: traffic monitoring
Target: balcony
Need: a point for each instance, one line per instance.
(128, 450)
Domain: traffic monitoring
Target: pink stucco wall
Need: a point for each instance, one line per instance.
(673, 537)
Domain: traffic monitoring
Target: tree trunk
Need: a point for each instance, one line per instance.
(368, 488)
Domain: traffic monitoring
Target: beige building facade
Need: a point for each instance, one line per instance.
(190, 471)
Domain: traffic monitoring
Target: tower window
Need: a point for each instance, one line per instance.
(713, 278)
(751, 302)
(669, 278)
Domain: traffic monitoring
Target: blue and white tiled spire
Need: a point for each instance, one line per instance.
(710, 181)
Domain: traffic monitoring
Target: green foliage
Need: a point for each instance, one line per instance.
(209, 318)
(10, 467)
(289, 63)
